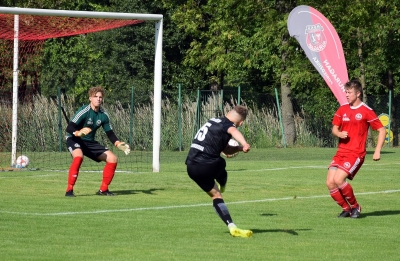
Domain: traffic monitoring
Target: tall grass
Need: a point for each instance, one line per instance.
(41, 130)
(40, 125)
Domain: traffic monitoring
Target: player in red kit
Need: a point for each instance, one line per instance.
(350, 125)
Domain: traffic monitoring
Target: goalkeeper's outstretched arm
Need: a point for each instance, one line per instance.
(119, 144)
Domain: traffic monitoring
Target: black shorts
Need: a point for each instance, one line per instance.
(206, 174)
(91, 149)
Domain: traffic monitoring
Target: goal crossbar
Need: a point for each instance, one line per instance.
(88, 14)
(158, 18)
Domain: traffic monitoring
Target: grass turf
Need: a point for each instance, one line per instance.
(278, 193)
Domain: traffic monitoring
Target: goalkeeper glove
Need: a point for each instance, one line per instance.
(123, 146)
(83, 132)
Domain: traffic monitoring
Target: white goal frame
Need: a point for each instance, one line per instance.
(158, 18)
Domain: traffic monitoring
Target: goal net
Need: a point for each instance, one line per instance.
(32, 124)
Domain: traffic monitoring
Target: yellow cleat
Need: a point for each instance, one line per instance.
(237, 232)
(221, 188)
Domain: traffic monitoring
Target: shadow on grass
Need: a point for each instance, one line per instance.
(288, 231)
(134, 191)
(268, 214)
(380, 213)
(382, 152)
(129, 192)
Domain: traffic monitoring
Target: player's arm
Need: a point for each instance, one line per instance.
(340, 134)
(74, 130)
(229, 149)
(379, 144)
(119, 144)
(75, 126)
(113, 138)
(238, 136)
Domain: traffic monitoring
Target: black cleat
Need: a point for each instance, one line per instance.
(355, 212)
(344, 214)
(104, 193)
(70, 193)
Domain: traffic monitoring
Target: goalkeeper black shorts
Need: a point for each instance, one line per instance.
(91, 149)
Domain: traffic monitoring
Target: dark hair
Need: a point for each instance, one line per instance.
(354, 84)
(241, 110)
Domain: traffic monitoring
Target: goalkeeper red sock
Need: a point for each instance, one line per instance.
(340, 200)
(108, 174)
(73, 172)
(347, 192)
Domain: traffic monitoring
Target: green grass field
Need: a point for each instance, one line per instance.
(278, 193)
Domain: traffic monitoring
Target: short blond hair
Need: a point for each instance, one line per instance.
(241, 110)
(96, 89)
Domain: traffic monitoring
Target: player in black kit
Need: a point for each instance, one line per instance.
(206, 167)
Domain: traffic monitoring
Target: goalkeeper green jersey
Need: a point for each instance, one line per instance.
(87, 117)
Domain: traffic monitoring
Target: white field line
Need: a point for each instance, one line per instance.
(229, 170)
(183, 206)
(64, 172)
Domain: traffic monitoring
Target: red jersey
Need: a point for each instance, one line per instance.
(355, 120)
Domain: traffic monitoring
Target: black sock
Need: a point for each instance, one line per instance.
(222, 210)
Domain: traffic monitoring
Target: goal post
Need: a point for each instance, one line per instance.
(157, 18)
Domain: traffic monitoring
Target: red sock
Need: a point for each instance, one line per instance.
(340, 200)
(108, 174)
(347, 192)
(73, 172)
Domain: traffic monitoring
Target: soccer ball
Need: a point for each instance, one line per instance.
(234, 143)
(22, 162)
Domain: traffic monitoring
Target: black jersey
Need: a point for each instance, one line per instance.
(210, 141)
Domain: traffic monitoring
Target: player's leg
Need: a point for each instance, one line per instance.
(98, 153)
(347, 189)
(108, 172)
(222, 210)
(335, 174)
(222, 179)
(219, 205)
(74, 148)
(204, 176)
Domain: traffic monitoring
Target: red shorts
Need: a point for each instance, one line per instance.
(349, 163)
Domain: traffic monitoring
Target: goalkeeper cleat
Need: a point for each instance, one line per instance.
(70, 193)
(237, 232)
(105, 193)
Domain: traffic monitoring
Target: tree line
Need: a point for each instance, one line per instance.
(217, 44)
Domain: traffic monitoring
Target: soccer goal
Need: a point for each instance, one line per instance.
(28, 29)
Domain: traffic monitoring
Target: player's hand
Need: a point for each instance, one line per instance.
(83, 132)
(343, 135)
(376, 156)
(123, 146)
(246, 148)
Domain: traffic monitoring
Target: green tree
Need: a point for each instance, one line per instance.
(116, 59)
(245, 42)
(369, 35)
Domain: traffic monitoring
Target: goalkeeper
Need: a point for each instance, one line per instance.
(80, 141)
